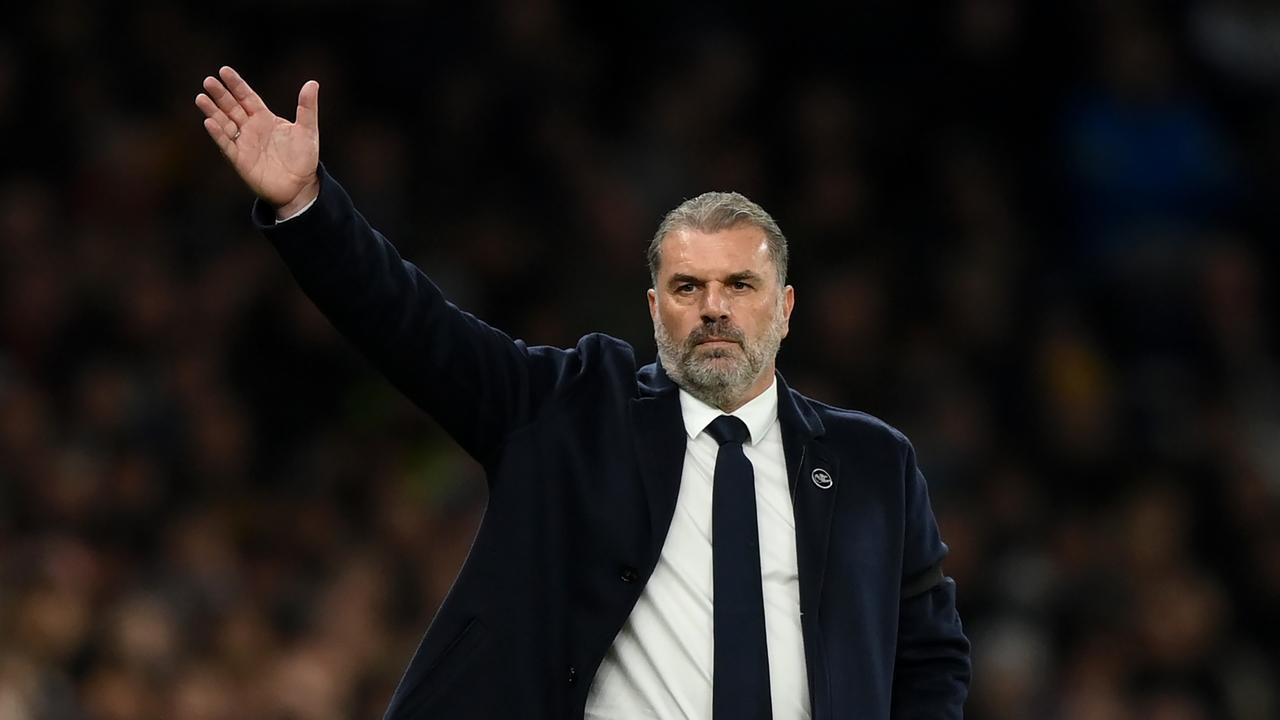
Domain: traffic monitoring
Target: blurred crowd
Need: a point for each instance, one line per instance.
(1036, 237)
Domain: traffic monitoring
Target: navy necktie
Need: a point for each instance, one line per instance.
(740, 685)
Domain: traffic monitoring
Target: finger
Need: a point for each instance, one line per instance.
(224, 100)
(241, 90)
(230, 129)
(212, 111)
(309, 106)
(220, 137)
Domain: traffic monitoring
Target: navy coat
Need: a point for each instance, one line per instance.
(583, 451)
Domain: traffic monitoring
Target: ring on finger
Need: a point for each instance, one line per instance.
(235, 135)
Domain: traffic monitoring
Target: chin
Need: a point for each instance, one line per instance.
(721, 369)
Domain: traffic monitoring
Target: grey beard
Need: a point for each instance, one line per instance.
(719, 384)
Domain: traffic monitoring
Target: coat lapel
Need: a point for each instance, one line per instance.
(660, 445)
(814, 474)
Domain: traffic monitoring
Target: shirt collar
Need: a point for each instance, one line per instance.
(758, 414)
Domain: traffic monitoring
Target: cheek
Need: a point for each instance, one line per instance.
(675, 319)
(765, 321)
(762, 315)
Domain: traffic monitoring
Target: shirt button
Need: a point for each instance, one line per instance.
(573, 675)
(629, 574)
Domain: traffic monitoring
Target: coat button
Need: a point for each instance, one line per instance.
(573, 675)
(629, 574)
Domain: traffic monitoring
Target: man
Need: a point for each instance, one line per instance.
(687, 539)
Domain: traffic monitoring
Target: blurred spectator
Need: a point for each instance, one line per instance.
(1149, 165)
(1241, 38)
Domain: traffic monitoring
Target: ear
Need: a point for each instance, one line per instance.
(653, 304)
(788, 303)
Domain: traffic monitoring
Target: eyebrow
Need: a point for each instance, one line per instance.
(681, 278)
(744, 275)
(740, 276)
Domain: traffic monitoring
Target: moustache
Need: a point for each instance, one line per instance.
(719, 330)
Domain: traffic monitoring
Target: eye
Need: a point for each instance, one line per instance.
(741, 285)
(685, 288)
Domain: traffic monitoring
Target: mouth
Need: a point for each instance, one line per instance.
(717, 341)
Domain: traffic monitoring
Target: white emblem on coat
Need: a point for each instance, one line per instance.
(822, 479)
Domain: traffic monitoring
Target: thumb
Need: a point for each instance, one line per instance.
(309, 106)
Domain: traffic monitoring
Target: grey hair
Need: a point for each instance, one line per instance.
(715, 211)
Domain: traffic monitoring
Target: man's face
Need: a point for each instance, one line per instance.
(718, 313)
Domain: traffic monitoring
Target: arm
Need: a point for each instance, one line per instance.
(931, 674)
(476, 381)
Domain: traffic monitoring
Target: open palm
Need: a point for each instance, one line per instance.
(276, 158)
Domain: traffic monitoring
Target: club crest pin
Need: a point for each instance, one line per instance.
(822, 479)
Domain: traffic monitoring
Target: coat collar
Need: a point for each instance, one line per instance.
(793, 408)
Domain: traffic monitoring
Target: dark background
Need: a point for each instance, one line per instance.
(1037, 237)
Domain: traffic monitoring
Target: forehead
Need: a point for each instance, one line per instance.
(694, 252)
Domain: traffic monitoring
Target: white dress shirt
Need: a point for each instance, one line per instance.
(660, 663)
(297, 212)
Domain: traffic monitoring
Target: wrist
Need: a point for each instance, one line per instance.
(304, 198)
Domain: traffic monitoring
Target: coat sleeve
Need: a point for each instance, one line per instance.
(931, 672)
(477, 382)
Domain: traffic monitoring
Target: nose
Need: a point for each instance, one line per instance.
(715, 303)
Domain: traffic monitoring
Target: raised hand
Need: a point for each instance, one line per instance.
(276, 158)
